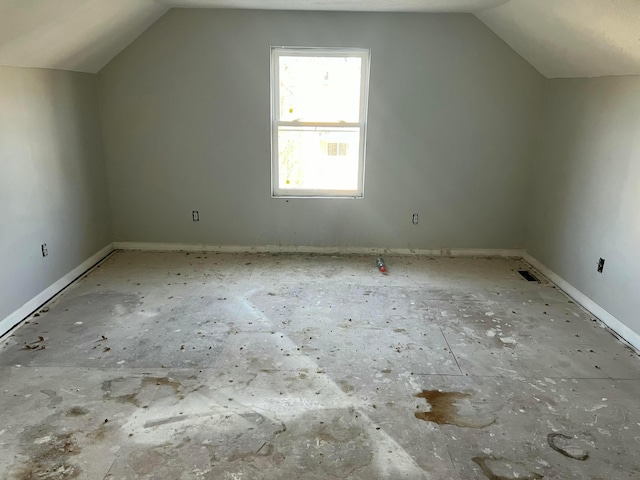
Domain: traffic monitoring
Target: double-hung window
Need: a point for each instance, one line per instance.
(318, 121)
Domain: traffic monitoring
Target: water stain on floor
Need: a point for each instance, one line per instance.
(444, 410)
(54, 398)
(135, 386)
(345, 386)
(49, 458)
(488, 471)
(76, 411)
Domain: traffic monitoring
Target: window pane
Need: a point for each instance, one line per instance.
(318, 158)
(320, 89)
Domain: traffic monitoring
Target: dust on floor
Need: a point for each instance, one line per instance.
(238, 366)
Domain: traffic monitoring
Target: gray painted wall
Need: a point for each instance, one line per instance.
(586, 190)
(52, 180)
(185, 112)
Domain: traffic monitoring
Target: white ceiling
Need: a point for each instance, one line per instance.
(560, 38)
(343, 5)
(571, 38)
(79, 35)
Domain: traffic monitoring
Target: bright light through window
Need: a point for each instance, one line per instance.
(319, 99)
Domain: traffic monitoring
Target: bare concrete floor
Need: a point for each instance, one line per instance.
(238, 367)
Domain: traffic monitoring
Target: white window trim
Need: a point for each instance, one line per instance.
(276, 52)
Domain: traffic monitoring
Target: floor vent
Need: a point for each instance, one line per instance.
(527, 275)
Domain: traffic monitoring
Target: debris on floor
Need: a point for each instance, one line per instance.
(261, 366)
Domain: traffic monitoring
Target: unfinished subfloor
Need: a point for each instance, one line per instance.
(239, 367)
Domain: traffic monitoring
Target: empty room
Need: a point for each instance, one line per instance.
(319, 239)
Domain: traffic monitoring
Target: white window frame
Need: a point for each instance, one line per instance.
(276, 53)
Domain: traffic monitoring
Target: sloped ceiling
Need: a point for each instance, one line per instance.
(78, 35)
(571, 38)
(561, 38)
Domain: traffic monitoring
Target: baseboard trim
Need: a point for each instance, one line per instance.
(619, 329)
(191, 247)
(54, 289)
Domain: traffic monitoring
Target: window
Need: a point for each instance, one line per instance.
(337, 149)
(318, 121)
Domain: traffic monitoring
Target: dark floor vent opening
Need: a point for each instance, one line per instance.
(527, 275)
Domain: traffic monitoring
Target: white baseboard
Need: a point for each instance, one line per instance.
(191, 247)
(619, 329)
(36, 302)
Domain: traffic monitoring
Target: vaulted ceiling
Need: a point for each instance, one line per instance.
(560, 38)
(571, 38)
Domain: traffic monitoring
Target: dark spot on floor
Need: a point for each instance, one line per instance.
(54, 398)
(49, 458)
(99, 433)
(126, 390)
(76, 411)
(489, 473)
(345, 386)
(558, 442)
(444, 410)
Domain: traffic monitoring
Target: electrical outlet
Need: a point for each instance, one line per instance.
(600, 265)
(44, 249)
(414, 219)
(195, 215)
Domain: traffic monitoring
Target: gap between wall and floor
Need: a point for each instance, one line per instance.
(615, 326)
